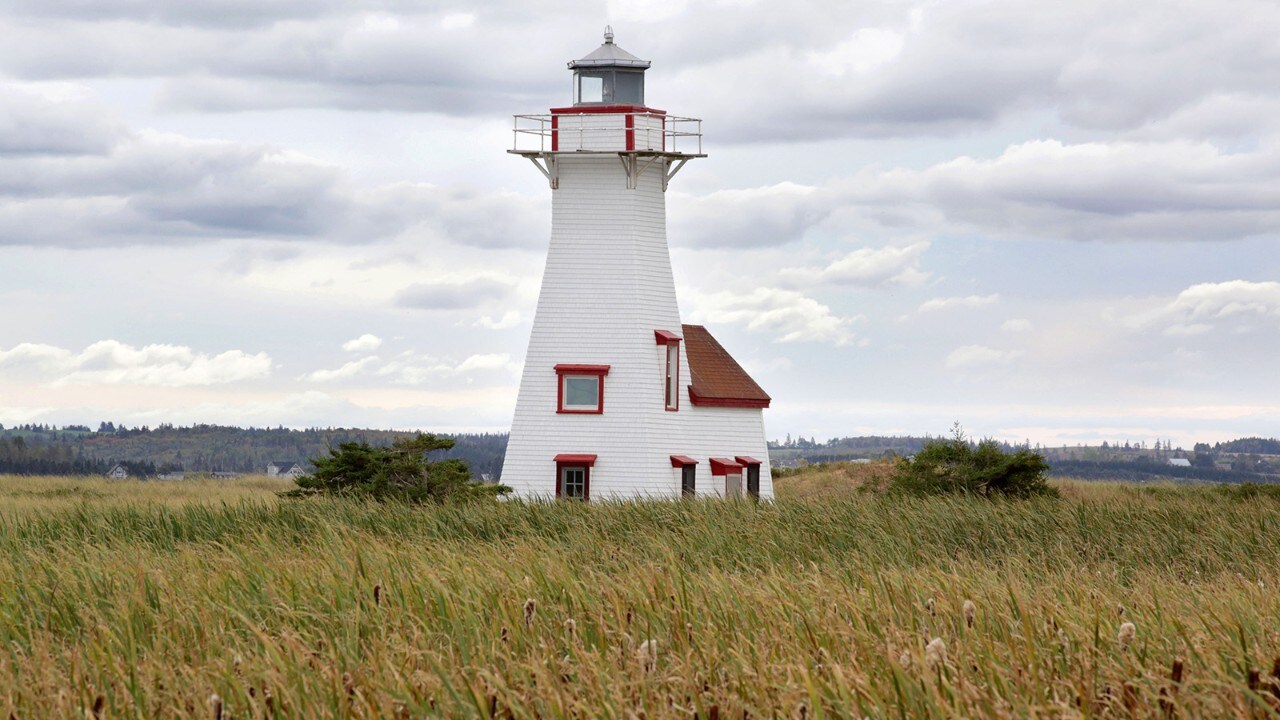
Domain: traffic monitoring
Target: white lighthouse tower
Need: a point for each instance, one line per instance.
(619, 399)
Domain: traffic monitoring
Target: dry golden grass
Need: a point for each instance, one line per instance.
(813, 608)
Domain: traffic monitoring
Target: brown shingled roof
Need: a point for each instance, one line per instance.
(716, 378)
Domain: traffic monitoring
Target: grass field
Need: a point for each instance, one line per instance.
(148, 599)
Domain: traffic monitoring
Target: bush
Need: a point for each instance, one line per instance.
(399, 472)
(959, 466)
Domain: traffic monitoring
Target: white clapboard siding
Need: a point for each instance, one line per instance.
(606, 287)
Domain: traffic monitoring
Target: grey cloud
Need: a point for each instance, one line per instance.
(452, 296)
(32, 124)
(747, 218)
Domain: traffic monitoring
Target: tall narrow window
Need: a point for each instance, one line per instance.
(669, 343)
(688, 474)
(580, 388)
(752, 468)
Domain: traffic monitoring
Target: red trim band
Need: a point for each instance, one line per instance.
(584, 369)
(697, 399)
(614, 109)
(725, 466)
(576, 459)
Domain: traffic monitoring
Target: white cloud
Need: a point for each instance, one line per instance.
(946, 303)
(110, 362)
(1234, 304)
(1016, 325)
(348, 370)
(971, 357)
(454, 294)
(509, 319)
(789, 316)
(364, 343)
(869, 267)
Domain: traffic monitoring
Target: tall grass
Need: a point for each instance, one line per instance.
(346, 609)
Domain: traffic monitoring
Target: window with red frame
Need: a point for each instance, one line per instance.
(670, 367)
(580, 388)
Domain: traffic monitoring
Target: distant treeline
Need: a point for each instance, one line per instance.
(77, 450)
(1140, 472)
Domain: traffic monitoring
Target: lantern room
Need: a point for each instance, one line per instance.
(608, 76)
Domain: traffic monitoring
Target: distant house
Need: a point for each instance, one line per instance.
(1224, 465)
(285, 469)
(223, 475)
(118, 472)
(172, 475)
(1180, 462)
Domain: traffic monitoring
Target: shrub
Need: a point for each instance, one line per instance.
(399, 472)
(959, 466)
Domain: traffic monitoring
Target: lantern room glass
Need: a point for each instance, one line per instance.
(608, 87)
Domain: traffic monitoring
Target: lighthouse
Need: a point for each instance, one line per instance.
(618, 398)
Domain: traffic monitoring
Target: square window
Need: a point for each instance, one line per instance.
(581, 392)
(580, 388)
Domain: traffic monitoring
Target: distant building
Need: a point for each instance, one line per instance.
(222, 475)
(1180, 462)
(285, 469)
(118, 472)
(172, 475)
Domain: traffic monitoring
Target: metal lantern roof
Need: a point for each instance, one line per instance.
(609, 55)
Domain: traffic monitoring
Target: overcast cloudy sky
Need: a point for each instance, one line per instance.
(1048, 221)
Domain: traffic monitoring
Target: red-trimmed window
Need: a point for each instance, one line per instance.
(752, 466)
(573, 476)
(670, 367)
(580, 388)
(688, 474)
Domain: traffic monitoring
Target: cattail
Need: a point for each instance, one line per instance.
(1127, 632)
(377, 594)
(647, 654)
(970, 611)
(99, 704)
(348, 683)
(236, 662)
(928, 605)
(215, 706)
(571, 627)
(504, 633)
(530, 607)
(935, 653)
(1119, 610)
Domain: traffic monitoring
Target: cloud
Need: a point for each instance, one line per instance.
(459, 295)
(1237, 305)
(869, 267)
(945, 303)
(1016, 325)
(110, 362)
(348, 370)
(364, 343)
(788, 315)
(74, 177)
(747, 218)
(510, 318)
(1177, 190)
(971, 357)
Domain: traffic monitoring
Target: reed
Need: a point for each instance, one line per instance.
(854, 604)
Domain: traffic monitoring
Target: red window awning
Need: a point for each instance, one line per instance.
(747, 460)
(665, 337)
(576, 459)
(682, 460)
(725, 466)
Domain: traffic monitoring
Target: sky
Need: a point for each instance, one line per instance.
(1053, 221)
